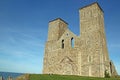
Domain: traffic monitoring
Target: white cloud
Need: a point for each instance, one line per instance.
(21, 50)
(114, 45)
(22, 67)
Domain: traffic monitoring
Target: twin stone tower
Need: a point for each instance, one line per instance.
(84, 55)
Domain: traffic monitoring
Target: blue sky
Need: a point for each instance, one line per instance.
(24, 28)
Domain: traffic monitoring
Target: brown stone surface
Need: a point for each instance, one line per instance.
(88, 56)
(113, 70)
(23, 77)
(1, 78)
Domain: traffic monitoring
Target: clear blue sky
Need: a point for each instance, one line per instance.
(24, 28)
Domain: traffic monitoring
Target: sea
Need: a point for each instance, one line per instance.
(5, 75)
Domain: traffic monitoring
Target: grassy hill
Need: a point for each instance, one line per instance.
(64, 77)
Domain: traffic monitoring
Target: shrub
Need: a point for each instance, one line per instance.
(107, 75)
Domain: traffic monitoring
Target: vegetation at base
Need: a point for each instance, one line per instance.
(107, 75)
(65, 77)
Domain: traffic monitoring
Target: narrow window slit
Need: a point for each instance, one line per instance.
(72, 42)
(62, 44)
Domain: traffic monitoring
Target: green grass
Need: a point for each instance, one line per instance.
(65, 77)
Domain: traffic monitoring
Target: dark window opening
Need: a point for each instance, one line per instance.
(67, 34)
(72, 42)
(62, 44)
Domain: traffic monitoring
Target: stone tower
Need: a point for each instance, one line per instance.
(56, 28)
(84, 55)
(94, 41)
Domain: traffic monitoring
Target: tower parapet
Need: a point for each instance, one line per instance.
(56, 28)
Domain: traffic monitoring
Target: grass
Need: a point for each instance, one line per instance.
(65, 77)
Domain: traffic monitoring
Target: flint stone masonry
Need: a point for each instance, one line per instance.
(1, 78)
(84, 55)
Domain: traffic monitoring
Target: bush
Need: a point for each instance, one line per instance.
(107, 75)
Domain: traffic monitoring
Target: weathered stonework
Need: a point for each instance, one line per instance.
(84, 55)
(1, 78)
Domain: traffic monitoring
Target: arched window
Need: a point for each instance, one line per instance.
(72, 42)
(62, 44)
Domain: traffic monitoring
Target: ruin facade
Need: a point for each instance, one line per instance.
(84, 55)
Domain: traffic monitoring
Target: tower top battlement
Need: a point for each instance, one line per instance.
(91, 5)
(59, 19)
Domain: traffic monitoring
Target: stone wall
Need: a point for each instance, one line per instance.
(84, 55)
(112, 69)
(95, 56)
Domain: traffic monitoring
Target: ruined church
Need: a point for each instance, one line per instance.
(84, 55)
